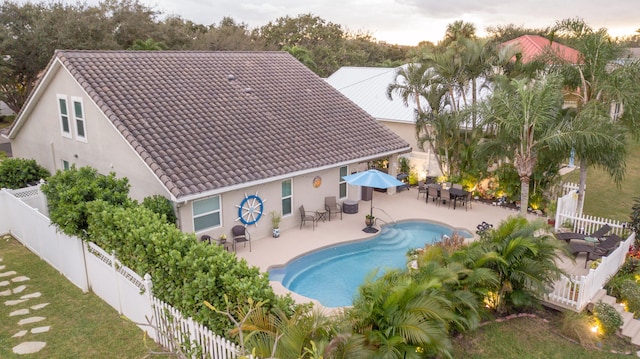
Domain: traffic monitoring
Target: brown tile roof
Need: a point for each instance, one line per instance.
(533, 46)
(208, 120)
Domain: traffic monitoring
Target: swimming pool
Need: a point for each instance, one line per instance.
(332, 275)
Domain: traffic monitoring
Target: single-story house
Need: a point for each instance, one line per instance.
(228, 137)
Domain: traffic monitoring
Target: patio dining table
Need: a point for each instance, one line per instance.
(455, 193)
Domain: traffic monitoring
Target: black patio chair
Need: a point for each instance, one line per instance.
(240, 234)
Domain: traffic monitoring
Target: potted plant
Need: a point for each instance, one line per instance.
(551, 213)
(275, 223)
(222, 239)
(369, 220)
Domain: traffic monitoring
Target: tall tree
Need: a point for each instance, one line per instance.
(325, 40)
(608, 92)
(457, 30)
(525, 116)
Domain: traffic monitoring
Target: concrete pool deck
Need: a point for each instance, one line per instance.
(294, 242)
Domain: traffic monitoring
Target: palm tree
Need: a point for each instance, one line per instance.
(525, 116)
(603, 80)
(523, 260)
(465, 283)
(457, 30)
(410, 82)
(400, 317)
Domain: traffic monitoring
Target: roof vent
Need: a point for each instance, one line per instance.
(248, 90)
(231, 77)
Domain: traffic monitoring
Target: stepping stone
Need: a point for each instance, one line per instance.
(32, 295)
(5, 293)
(4, 283)
(40, 329)
(14, 302)
(20, 279)
(39, 306)
(19, 289)
(19, 312)
(31, 320)
(9, 273)
(20, 334)
(2, 267)
(29, 347)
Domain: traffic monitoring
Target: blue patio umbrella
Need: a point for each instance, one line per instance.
(375, 179)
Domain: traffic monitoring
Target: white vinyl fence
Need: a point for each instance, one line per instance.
(91, 268)
(577, 291)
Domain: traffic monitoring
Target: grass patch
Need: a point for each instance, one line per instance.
(526, 337)
(604, 198)
(82, 325)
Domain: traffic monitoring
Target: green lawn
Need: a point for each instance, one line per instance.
(82, 325)
(529, 338)
(603, 197)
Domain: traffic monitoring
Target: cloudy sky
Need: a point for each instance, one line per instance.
(408, 22)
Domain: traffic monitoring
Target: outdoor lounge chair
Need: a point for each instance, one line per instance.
(308, 216)
(568, 236)
(240, 234)
(597, 250)
(332, 206)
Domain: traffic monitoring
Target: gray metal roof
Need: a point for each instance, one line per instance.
(367, 87)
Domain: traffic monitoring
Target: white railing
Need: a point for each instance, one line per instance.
(577, 291)
(91, 268)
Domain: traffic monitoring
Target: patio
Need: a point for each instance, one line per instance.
(294, 242)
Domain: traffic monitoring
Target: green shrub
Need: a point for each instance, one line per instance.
(68, 193)
(608, 318)
(185, 272)
(577, 326)
(630, 294)
(162, 206)
(20, 172)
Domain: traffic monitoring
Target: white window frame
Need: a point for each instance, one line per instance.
(66, 165)
(207, 213)
(79, 119)
(283, 197)
(61, 116)
(342, 182)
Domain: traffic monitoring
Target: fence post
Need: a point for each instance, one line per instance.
(114, 265)
(154, 321)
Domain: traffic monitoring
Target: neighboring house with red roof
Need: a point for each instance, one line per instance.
(534, 46)
(205, 129)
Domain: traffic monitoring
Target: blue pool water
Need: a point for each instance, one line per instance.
(332, 275)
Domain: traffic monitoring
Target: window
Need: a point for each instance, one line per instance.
(206, 213)
(287, 197)
(64, 116)
(342, 183)
(78, 116)
(65, 165)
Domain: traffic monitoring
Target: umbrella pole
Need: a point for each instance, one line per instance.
(370, 229)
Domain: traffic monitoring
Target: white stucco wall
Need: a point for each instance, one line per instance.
(41, 139)
(304, 193)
